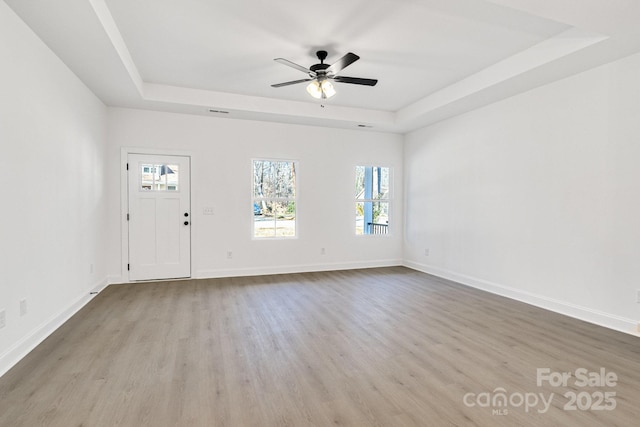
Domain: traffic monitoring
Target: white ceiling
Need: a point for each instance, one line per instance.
(433, 58)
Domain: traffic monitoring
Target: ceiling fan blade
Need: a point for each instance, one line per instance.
(294, 65)
(342, 63)
(355, 80)
(291, 83)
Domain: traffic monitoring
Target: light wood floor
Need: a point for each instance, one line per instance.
(376, 347)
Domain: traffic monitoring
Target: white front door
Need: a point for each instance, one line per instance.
(159, 217)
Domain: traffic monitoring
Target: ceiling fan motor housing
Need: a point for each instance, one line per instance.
(320, 68)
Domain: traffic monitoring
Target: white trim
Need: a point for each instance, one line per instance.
(287, 269)
(100, 286)
(586, 314)
(111, 279)
(31, 340)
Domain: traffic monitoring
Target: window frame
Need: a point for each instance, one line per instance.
(296, 165)
(388, 200)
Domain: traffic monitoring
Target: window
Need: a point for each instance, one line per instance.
(274, 198)
(372, 200)
(159, 177)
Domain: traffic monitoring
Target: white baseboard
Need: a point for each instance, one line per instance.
(597, 317)
(15, 353)
(99, 286)
(116, 279)
(287, 269)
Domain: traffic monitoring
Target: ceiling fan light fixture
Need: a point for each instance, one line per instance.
(327, 88)
(322, 89)
(314, 89)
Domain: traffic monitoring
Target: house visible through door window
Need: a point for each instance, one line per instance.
(159, 177)
(372, 200)
(274, 198)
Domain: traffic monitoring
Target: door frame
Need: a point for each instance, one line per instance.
(124, 202)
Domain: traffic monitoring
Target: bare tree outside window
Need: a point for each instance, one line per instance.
(274, 198)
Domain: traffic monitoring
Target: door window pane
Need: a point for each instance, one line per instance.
(154, 177)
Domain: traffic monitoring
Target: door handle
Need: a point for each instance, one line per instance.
(186, 214)
(186, 223)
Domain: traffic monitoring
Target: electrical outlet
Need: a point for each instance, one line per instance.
(3, 319)
(322, 251)
(229, 254)
(426, 252)
(23, 307)
(207, 211)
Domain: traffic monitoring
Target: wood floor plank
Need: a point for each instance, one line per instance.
(373, 347)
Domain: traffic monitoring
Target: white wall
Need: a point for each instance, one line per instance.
(53, 140)
(536, 197)
(222, 150)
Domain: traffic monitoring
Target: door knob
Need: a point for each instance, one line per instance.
(186, 214)
(186, 223)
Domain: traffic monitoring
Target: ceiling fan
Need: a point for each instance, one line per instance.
(321, 75)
